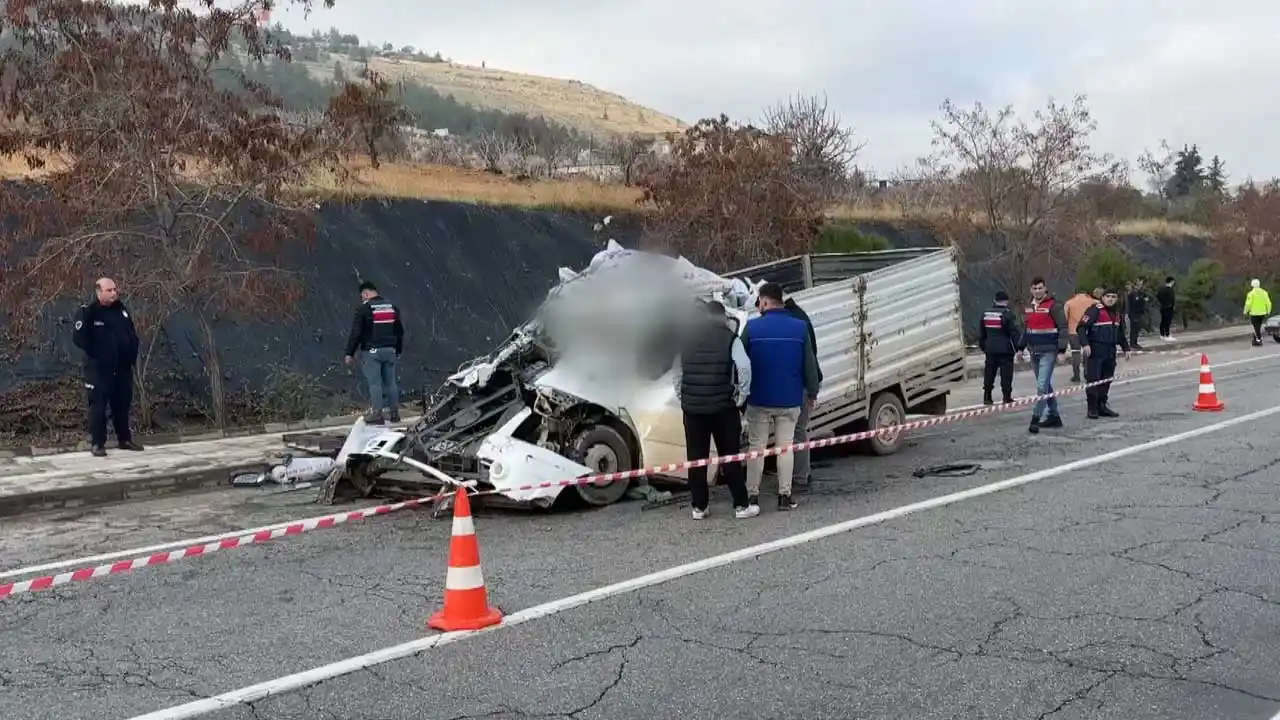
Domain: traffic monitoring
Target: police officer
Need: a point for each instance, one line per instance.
(378, 330)
(999, 337)
(106, 334)
(1100, 332)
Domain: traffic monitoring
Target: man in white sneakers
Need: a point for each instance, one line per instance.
(711, 384)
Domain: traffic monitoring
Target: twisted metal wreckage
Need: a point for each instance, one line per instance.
(584, 387)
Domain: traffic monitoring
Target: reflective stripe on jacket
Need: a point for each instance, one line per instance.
(1044, 327)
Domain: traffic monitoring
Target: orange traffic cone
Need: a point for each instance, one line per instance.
(466, 602)
(1207, 400)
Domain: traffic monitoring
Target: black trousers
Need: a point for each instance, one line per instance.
(1135, 324)
(1002, 364)
(109, 390)
(725, 427)
(1166, 321)
(1257, 321)
(1095, 369)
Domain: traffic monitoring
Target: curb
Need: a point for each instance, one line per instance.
(971, 373)
(124, 490)
(166, 439)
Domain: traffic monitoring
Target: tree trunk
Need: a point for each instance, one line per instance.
(146, 418)
(213, 370)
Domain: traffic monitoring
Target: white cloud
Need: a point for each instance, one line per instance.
(1185, 70)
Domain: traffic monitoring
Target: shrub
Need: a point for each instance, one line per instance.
(836, 238)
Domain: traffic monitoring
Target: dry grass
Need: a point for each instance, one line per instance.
(435, 182)
(1158, 227)
(569, 102)
(1152, 227)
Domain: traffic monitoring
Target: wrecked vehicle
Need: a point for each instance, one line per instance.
(585, 386)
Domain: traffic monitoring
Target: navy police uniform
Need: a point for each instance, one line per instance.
(109, 340)
(1000, 339)
(1101, 331)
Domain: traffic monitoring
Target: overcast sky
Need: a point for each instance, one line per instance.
(1191, 71)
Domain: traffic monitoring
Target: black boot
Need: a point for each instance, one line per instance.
(1008, 398)
(1093, 409)
(1105, 411)
(986, 398)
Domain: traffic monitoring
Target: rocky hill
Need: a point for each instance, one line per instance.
(571, 103)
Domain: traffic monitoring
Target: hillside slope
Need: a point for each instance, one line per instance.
(568, 102)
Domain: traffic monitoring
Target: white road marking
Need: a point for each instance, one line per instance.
(1160, 376)
(95, 559)
(307, 678)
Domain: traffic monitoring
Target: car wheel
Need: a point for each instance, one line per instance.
(604, 450)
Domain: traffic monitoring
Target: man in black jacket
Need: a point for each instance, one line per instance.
(1165, 298)
(803, 472)
(106, 334)
(1000, 339)
(1136, 309)
(378, 331)
(713, 381)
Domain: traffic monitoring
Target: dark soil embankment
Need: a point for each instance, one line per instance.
(464, 276)
(1172, 254)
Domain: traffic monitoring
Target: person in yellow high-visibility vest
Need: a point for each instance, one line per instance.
(1257, 306)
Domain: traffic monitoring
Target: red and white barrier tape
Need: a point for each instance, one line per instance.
(261, 536)
(605, 478)
(162, 558)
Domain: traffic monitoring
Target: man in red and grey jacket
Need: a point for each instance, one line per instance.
(1044, 337)
(378, 331)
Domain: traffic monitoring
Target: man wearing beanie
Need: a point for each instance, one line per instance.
(1100, 332)
(1000, 339)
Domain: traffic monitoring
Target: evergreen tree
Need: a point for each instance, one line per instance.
(1216, 177)
(1188, 173)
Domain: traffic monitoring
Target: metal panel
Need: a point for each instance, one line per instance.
(911, 313)
(789, 273)
(834, 267)
(827, 267)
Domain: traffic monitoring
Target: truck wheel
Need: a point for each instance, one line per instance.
(604, 450)
(886, 411)
(1276, 337)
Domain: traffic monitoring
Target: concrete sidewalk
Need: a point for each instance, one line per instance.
(1151, 345)
(78, 479)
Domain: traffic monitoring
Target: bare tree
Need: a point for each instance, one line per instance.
(557, 150)
(1022, 177)
(152, 173)
(729, 198)
(628, 153)
(824, 147)
(494, 149)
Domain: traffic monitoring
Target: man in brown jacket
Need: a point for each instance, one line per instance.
(1075, 309)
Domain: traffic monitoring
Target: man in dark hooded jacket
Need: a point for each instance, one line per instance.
(803, 469)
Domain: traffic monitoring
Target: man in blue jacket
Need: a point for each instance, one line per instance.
(784, 379)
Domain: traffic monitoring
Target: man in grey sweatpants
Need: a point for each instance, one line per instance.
(803, 470)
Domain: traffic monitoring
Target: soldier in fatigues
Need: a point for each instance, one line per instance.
(1000, 339)
(1100, 331)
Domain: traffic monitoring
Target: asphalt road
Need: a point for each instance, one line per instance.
(1147, 586)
